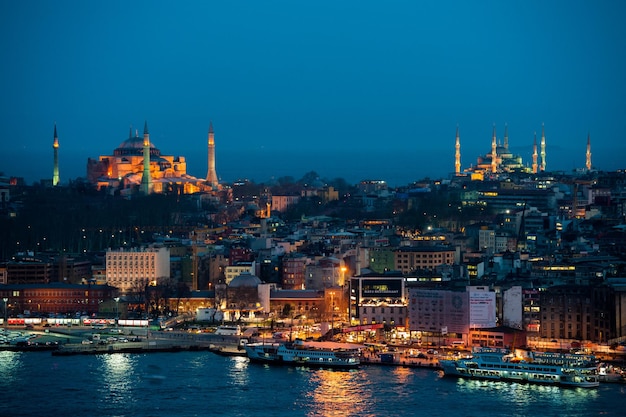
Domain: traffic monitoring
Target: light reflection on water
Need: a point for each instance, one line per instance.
(201, 384)
(547, 398)
(10, 363)
(118, 376)
(340, 394)
(237, 373)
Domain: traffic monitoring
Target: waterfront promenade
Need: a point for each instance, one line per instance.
(85, 341)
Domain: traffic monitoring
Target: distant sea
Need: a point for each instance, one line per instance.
(204, 384)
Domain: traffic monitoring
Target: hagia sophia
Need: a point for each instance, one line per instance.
(137, 164)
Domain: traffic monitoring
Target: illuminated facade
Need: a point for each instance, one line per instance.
(128, 168)
(412, 258)
(129, 270)
(283, 202)
(54, 297)
(378, 299)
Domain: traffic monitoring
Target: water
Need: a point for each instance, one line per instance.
(204, 384)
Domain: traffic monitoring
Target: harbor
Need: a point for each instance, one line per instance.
(89, 341)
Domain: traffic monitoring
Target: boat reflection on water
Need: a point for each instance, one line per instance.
(338, 393)
(154, 374)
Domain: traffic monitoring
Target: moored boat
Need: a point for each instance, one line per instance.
(302, 354)
(610, 373)
(571, 370)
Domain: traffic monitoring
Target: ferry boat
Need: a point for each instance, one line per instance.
(572, 370)
(301, 354)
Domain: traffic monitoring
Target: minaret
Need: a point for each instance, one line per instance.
(146, 179)
(506, 138)
(211, 175)
(543, 148)
(588, 163)
(535, 154)
(55, 167)
(457, 155)
(494, 152)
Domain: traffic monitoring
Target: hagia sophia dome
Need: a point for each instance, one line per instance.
(134, 146)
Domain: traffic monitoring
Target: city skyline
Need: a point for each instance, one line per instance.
(348, 90)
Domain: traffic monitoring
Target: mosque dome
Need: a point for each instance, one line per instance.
(133, 145)
(245, 279)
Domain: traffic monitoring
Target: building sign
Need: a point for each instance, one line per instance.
(381, 288)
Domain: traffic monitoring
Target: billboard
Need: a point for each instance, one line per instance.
(482, 309)
(381, 288)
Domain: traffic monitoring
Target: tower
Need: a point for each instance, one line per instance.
(588, 162)
(543, 148)
(146, 179)
(457, 154)
(506, 138)
(535, 154)
(211, 175)
(55, 167)
(494, 152)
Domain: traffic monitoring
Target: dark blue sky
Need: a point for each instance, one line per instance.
(353, 89)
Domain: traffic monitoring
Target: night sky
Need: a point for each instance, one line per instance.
(352, 89)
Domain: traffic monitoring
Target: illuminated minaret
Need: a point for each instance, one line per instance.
(457, 155)
(55, 168)
(543, 148)
(211, 175)
(146, 179)
(588, 163)
(535, 154)
(494, 152)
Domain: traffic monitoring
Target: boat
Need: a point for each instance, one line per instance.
(301, 354)
(227, 350)
(571, 370)
(228, 330)
(610, 373)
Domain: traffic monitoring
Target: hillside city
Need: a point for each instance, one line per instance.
(493, 258)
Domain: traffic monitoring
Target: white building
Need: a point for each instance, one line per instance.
(232, 271)
(135, 268)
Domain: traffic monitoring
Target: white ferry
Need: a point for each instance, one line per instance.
(571, 370)
(228, 330)
(299, 353)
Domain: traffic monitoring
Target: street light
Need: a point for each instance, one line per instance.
(6, 300)
(117, 300)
